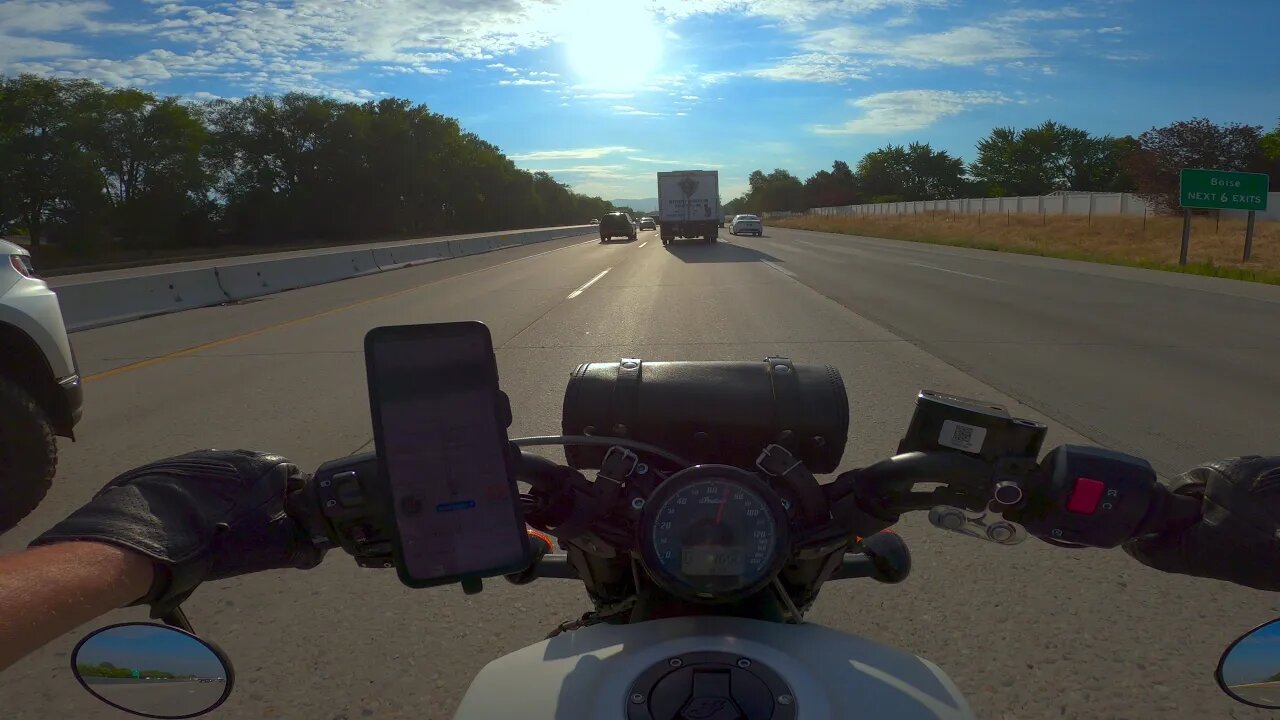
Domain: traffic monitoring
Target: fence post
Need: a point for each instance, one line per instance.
(1090, 223)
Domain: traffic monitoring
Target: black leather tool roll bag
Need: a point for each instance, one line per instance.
(710, 412)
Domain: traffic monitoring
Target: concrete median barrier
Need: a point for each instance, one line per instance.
(107, 302)
(254, 279)
(409, 254)
(94, 303)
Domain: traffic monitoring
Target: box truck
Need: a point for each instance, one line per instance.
(689, 205)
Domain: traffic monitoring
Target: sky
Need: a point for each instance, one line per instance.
(151, 647)
(604, 93)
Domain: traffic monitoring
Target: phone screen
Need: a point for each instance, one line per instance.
(441, 438)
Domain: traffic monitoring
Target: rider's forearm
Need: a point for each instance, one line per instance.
(49, 590)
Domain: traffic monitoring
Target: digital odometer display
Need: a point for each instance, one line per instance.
(712, 560)
(711, 538)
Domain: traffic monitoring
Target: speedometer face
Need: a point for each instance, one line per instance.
(714, 538)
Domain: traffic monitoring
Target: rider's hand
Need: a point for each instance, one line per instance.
(1236, 537)
(204, 515)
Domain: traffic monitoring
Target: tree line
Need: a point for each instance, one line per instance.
(108, 670)
(1033, 161)
(88, 166)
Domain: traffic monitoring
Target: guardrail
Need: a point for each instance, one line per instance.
(98, 303)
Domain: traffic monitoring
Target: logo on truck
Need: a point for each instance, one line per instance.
(688, 185)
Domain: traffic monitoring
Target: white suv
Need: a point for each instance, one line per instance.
(40, 394)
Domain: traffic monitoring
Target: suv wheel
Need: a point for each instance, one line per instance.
(28, 454)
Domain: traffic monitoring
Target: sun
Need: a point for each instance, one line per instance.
(613, 44)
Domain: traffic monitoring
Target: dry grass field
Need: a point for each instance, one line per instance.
(1216, 248)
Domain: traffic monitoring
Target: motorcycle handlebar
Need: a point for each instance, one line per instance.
(1076, 496)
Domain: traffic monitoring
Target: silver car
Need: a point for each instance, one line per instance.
(744, 224)
(40, 394)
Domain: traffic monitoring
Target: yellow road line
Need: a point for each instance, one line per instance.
(244, 336)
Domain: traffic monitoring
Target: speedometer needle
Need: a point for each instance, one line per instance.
(724, 499)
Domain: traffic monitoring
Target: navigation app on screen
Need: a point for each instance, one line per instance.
(444, 456)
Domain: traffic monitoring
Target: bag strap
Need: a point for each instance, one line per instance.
(786, 401)
(626, 396)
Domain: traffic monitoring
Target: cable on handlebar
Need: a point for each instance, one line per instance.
(604, 442)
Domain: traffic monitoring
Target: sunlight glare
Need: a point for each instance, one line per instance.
(611, 44)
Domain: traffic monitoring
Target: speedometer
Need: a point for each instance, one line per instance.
(713, 533)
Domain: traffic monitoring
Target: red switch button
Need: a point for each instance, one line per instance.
(1085, 496)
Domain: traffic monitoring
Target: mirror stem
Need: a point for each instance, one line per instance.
(177, 618)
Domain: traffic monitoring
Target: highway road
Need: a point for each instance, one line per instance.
(1170, 366)
(162, 699)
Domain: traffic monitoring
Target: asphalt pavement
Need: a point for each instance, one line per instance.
(163, 699)
(1267, 694)
(1131, 358)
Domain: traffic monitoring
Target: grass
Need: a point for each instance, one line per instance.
(1215, 248)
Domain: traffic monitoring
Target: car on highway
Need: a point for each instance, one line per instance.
(595, 221)
(617, 224)
(647, 223)
(40, 393)
(744, 224)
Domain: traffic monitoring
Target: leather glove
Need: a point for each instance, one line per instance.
(205, 515)
(1236, 537)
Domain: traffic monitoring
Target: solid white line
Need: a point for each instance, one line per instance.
(957, 272)
(782, 270)
(646, 242)
(589, 283)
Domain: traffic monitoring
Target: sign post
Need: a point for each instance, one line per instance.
(1248, 237)
(1220, 190)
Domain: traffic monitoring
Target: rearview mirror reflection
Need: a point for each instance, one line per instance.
(1250, 669)
(154, 671)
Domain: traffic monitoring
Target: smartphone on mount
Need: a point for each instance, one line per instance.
(440, 428)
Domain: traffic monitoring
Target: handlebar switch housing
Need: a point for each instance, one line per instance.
(349, 505)
(1087, 496)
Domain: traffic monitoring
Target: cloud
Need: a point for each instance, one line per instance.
(526, 81)
(22, 48)
(812, 67)
(965, 45)
(1116, 30)
(29, 17)
(576, 154)
(1125, 57)
(629, 110)
(605, 96)
(1022, 15)
(901, 110)
(689, 97)
(657, 161)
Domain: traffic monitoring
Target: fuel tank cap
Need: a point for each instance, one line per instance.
(710, 686)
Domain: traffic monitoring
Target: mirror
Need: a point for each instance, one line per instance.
(1250, 669)
(155, 671)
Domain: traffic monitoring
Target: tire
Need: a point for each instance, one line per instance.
(28, 454)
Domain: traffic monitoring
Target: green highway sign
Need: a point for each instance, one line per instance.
(1222, 190)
